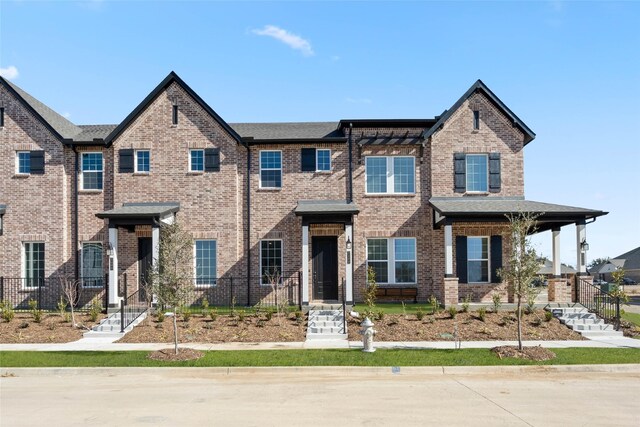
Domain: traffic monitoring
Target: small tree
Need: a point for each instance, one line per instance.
(370, 292)
(171, 275)
(70, 289)
(523, 265)
(274, 278)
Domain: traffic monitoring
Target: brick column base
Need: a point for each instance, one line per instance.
(450, 296)
(559, 290)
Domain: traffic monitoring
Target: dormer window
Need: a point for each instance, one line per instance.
(174, 115)
(476, 119)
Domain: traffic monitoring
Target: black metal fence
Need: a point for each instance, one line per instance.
(602, 303)
(48, 292)
(132, 307)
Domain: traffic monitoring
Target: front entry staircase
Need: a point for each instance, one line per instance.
(110, 326)
(326, 322)
(578, 318)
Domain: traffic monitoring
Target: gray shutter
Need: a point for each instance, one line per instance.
(459, 172)
(212, 160)
(494, 172)
(36, 158)
(496, 257)
(308, 156)
(461, 258)
(126, 161)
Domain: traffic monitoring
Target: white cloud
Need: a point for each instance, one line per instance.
(358, 100)
(9, 73)
(292, 40)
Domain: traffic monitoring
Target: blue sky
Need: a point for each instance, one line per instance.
(570, 70)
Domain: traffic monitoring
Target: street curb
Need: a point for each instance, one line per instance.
(323, 371)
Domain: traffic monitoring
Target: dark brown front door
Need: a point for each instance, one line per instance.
(325, 268)
(145, 256)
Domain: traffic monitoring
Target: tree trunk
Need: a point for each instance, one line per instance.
(519, 317)
(175, 328)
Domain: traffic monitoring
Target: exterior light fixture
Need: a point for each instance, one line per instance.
(584, 245)
(348, 244)
(110, 250)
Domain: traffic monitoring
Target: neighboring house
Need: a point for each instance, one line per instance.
(421, 201)
(546, 269)
(629, 261)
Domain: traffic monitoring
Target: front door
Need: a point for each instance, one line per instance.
(145, 257)
(325, 268)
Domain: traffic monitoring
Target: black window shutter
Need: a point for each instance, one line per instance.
(126, 160)
(496, 257)
(459, 171)
(308, 160)
(212, 160)
(494, 172)
(37, 162)
(461, 258)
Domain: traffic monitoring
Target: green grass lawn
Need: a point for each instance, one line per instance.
(396, 308)
(354, 357)
(632, 317)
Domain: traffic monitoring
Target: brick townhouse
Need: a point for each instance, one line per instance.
(422, 201)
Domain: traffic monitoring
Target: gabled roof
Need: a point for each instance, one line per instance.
(54, 122)
(481, 87)
(171, 78)
(631, 259)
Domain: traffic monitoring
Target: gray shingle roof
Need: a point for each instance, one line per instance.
(91, 132)
(547, 268)
(300, 130)
(325, 207)
(140, 210)
(495, 205)
(631, 259)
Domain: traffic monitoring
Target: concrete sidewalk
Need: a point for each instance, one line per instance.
(106, 344)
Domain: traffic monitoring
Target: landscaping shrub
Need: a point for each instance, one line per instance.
(465, 303)
(453, 310)
(160, 316)
(6, 310)
(482, 313)
(213, 315)
(186, 314)
(37, 313)
(419, 314)
(548, 316)
(205, 307)
(269, 315)
(95, 309)
(379, 315)
(435, 304)
(62, 309)
(497, 302)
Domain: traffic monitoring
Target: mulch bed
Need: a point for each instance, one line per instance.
(629, 329)
(466, 327)
(528, 353)
(53, 329)
(253, 328)
(169, 354)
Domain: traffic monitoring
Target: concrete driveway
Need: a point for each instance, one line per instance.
(319, 396)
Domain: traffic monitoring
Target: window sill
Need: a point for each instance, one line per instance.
(406, 195)
(269, 190)
(141, 173)
(22, 175)
(81, 191)
(323, 172)
(205, 286)
(476, 193)
(193, 173)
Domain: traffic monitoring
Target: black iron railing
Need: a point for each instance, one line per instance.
(344, 307)
(48, 292)
(132, 307)
(602, 303)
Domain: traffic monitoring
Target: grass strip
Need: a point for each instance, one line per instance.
(333, 357)
(632, 317)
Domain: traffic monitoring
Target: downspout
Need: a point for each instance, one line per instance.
(350, 197)
(75, 213)
(248, 225)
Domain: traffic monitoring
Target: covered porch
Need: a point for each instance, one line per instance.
(134, 242)
(327, 254)
(456, 216)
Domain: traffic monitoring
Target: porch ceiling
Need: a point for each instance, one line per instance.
(456, 209)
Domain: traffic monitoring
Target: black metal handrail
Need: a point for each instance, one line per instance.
(131, 308)
(602, 303)
(344, 307)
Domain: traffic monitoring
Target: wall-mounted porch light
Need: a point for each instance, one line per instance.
(348, 244)
(584, 246)
(110, 250)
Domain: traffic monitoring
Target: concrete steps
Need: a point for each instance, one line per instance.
(326, 322)
(110, 327)
(582, 321)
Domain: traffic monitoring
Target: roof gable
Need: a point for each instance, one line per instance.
(479, 86)
(171, 78)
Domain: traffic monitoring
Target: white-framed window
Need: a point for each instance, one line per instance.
(23, 162)
(33, 264)
(205, 262)
(477, 172)
(270, 260)
(390, 175)
(143, 161)
(270, 169)
(196, 160)
(393, 259)
(92, 273)
(91, 171)
(323, 160)
(478, 259)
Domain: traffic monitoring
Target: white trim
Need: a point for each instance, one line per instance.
(82, 171)
(17, 170)
(305, 264)
(281, 259)
(195, 261)
(270, 169)
(390, 170)
(448, 249)
(391, 259)
(480, 259)
(318, 150)
(190, 165)
(466, 173)
(135, 162)
(82, 263)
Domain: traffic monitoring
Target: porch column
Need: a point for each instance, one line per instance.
(555, 236)
(448, 251)
(305, 264)
(155, 253)
(113, 267)
(581, 236)
(348, 231)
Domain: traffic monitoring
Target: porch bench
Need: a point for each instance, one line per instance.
(398, 291)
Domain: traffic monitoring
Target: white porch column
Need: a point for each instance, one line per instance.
(113, 268)
(448, 250)
(581, 236)
(305, 265)
(348, 231)
(555, 236)
(155, 245)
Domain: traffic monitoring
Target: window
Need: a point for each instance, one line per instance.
(91, 174)
(476, 120)
(323, 160)
(270, 169)
(92, 274)
(174, 115)
(196, 160)
(270, 260)
(205, 262)
(477, 259)
(33, 265)
(143, 161)
(2, 117)
(393, 260)
(23, 162)
(477, 172)
(390, 175)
